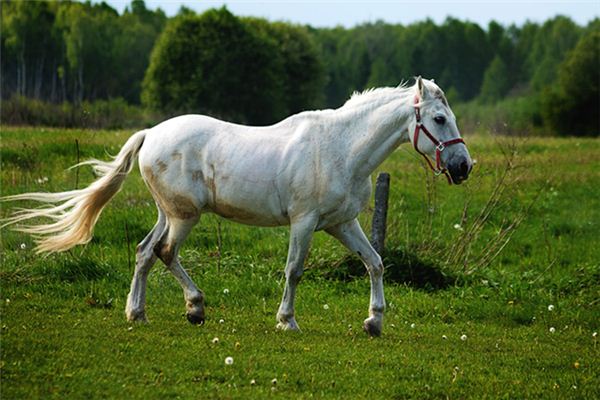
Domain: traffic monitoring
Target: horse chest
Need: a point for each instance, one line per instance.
(344, 204)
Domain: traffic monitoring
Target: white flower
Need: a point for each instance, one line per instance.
(215, 340)
(458, 227)
(228, 360)
(413, 325)
(325, 306)
(225, 291)
(594, 334)
(23, 246)
(221, 321)
(274, 381)
(444, 337)
(463, 337)
(253, 382)
(551, 307)
(552, 329)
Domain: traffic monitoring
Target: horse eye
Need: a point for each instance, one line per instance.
(440, 120)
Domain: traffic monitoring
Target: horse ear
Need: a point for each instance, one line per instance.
(423, 91)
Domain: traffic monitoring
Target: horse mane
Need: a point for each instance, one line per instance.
(368, 95)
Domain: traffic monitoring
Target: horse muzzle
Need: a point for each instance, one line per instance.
(459, 169)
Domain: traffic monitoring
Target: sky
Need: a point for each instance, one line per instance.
(332, 13)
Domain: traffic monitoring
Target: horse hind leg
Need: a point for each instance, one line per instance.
(144, 260)
(167, 249)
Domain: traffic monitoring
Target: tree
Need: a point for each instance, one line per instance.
(551, 44)
(495, 81)
(298, 58)
(214, 64)
(573, 105)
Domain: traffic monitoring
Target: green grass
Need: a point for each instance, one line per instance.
(64, 333)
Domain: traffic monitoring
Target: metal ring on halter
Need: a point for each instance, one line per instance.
(440, 147)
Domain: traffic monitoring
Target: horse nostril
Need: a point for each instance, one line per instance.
(464, 168)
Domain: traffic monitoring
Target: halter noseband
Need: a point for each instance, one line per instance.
(439, 146)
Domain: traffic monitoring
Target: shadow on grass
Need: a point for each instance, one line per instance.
(400, 267)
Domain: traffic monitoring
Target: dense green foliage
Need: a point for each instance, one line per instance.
(255, 71)
(216, 64)
(71, 51)
(64, 333)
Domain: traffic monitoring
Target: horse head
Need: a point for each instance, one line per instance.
(440, 140)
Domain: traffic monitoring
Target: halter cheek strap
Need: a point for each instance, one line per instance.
(438, 169)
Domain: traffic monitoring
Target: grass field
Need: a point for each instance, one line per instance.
(461, 322)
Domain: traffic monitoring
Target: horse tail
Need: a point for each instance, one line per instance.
(74, 218)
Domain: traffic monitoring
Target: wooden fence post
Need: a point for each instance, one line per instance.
(382, 191)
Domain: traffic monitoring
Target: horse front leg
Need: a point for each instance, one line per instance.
(351, 235)
(301, 233)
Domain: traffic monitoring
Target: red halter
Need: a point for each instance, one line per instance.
(439, 146)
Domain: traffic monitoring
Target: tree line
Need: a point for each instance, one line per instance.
(254, 71)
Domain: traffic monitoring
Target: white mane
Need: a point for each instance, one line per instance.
(377, 95)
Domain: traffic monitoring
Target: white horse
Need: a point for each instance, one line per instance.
(310, 171)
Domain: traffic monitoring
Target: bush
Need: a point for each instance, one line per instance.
(101, 114)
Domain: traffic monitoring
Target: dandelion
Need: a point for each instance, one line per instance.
(23, 246)
(215, 340)
(325, 306)
(551, 307)
(228, 360)
(237, 345)
(552, 329)
(576, 364)
(458, 227)
(225, 291)
(463, 337)
(274, 381)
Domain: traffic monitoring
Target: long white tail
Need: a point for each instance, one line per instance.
(74, 218)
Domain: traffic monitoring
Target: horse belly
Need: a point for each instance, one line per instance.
(248, 202)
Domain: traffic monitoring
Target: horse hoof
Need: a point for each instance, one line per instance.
(136, 316)
(372, 328)
(288, 326)
(195, 319)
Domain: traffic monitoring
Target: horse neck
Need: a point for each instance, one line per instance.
(378, 128)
